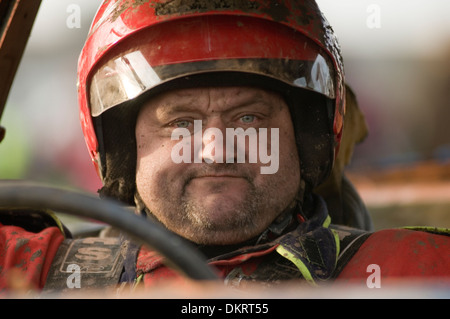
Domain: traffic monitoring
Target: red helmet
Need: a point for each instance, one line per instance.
(136, 48)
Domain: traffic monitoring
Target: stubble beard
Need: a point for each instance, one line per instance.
(237, 220)
(240, 220)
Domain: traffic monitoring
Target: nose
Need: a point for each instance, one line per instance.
(213, 141)
(209, 141)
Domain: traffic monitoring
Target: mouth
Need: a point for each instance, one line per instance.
(218, 179)
(219, 182)
(219, 176)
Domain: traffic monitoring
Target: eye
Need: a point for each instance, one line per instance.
(182, 124)
(247, 119)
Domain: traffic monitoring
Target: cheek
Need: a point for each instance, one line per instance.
(151, 156)
(156, 172)
(151, 148)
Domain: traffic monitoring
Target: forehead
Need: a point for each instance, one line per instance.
(210, 98)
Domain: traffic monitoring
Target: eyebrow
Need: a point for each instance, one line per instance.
(183, 103)
(167, 111)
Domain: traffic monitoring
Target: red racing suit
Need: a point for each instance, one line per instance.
(28, 243)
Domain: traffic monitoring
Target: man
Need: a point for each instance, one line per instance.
(218, 119)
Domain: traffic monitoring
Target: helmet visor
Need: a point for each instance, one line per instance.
(168, 51)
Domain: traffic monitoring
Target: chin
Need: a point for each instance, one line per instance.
(218, 234)
(220, 239)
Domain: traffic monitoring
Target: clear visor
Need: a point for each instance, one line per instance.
(126, 77)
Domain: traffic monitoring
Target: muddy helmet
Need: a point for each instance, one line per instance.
(135, 49)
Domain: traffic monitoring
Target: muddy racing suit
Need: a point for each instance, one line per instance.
(306, 250)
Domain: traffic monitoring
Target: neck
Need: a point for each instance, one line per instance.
(286, 221)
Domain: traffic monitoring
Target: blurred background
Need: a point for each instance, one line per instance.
(397, 59)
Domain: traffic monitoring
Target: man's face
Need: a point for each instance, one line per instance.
(219, 200)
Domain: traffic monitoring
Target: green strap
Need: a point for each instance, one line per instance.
(297, 262)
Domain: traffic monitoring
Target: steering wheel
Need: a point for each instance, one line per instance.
(179, 254)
